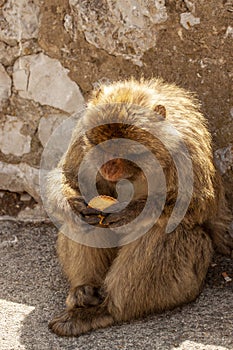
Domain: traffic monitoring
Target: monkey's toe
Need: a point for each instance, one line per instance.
(66, 324)
(84, 296)
(79, 321)
(224, 245)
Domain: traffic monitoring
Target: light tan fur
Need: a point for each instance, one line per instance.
(158, 271)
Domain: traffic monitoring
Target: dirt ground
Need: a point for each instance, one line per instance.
(33, 290)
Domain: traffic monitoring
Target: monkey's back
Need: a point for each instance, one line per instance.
(183, 113)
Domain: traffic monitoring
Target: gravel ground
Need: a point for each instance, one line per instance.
(33, 289)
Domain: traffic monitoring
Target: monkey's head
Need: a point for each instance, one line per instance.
(116, 141)
(120, 135)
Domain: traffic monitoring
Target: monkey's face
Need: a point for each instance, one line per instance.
(118, 169)
(118, 159)
(122, 123)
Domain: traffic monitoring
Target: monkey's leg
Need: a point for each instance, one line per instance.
(159, 271)
(85, 268)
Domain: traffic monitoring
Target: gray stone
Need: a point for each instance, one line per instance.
(20, 178)
(11, 139)
(45, 80)
(48, 125)
(5, 86)
(35, 214)
(124, 27)
(188, 20)
(25, 197)
(190, 5)
(20, 21)
(231, 112)
(224, 158)
(68, 23)
(229, 32)
(8, 54)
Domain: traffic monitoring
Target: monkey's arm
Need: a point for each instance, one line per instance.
(63, 201)
(121, 217)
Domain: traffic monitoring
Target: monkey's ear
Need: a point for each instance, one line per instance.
(160, 110)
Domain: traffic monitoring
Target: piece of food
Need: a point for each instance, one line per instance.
(102, 202)
(226, 277)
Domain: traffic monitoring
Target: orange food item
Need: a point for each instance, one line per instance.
(102, 202)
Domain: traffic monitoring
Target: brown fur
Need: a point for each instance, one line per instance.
(158, 271)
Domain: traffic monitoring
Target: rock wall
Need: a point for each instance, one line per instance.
(53, 53)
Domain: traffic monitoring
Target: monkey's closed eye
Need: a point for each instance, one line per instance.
(134, 156)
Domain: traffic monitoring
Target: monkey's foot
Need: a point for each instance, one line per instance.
(84, 296)
(224, 244)
(80, 320)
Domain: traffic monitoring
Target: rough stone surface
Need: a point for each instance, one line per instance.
(90, 41)
(12, 141)
(35, 214)
(25, 197)
(231, 113)
(5, 86)
(229, 32)
(8, 53)
(190, 5)
(20, 20)
(188, 20)
(44, 80)
(124, 27)
(48, 125)
(224, 159)
(20, 178)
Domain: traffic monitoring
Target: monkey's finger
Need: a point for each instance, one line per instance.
(115, 208)
(112, 218)
(77, 204)
(91, 220)
(90, 211)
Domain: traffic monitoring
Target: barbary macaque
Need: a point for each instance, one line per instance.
(158, 270)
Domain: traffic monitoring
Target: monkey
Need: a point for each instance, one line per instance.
(157, 271)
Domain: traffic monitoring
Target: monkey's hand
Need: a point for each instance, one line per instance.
(119, 217)
(87, 214)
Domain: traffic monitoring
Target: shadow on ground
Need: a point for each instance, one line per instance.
(33, 290)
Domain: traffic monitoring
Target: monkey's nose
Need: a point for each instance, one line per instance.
(112, 170)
